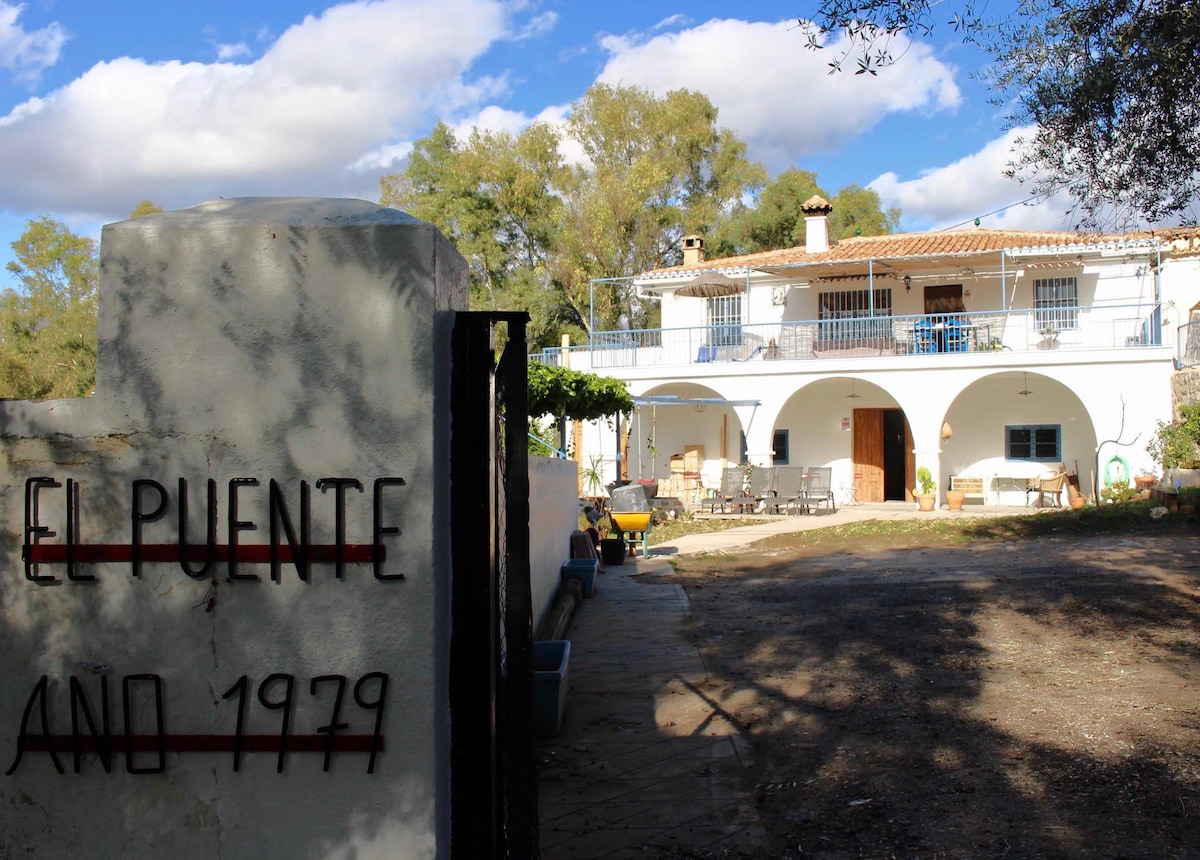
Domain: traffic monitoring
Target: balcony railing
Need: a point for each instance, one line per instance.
(1033, 330)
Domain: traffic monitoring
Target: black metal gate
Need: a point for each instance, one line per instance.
(493, 803)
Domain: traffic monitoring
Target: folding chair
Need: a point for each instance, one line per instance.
(732, 480)
(762, 484)
(850, 494)
(817, 489)
(789, 486)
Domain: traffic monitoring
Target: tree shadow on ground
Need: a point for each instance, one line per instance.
(1016, 710)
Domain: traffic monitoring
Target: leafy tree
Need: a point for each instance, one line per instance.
(1177, 445)
(659, 168)
(48, 324)
(574, 394)
(1109, 85)
(536, 231)
(776, 220)
(494, 196)
(145, 207)
(857, 211)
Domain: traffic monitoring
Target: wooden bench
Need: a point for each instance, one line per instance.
(972, 488)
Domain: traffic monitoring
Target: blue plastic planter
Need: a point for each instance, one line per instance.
(584, 569)
(550, 663)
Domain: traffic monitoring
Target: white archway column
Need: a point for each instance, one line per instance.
(927, 448)
(759, 422)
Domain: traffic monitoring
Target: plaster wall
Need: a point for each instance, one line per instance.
(1180, 285)
(673, 428)
(553, 515)
(976, 447)
(819, 420)
(287, 340)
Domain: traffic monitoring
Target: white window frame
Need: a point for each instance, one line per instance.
(723, 316)
(1056, 303)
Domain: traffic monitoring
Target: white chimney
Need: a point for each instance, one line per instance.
(693, 250)
(816, 224)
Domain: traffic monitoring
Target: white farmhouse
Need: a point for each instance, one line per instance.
(990, 354)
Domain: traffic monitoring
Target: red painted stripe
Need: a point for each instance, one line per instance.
(211, 743)
(56, 553)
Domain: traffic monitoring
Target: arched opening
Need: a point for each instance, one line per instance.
(858, 429)
(683, 434)
(1016, 425)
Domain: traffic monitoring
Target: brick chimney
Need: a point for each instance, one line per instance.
(816, 224)
(693, 250)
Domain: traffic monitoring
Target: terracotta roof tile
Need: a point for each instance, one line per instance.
(943, 243)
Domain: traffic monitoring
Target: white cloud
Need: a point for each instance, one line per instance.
(973, 187)
(492, 118)
(227, 52)
(772, 90)
(677, 20)
(24, 53)
(332, 91)
(385, 159)
(539, 25)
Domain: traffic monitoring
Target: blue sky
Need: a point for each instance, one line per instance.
(107, 102)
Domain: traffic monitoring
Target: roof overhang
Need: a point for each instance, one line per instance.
(676, 400)
(879, 266)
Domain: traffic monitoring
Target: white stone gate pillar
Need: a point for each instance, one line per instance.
(221, 615)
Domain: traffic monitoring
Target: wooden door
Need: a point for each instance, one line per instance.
(910, 462)
(867, 453)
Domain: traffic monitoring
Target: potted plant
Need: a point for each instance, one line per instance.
(593, 476)
(955, 499)
(927, 493)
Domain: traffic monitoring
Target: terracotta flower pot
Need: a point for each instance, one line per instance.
(926, 502)
(955, 499)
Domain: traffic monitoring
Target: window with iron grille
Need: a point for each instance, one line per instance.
(848, 315)
(724, 317)
(1041, 442)
(1056, 303)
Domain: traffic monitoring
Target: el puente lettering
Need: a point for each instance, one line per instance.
(290, 538)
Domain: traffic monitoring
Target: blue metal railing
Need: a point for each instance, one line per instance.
(1027, 330)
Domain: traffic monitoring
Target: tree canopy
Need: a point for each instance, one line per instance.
(578, 396)
(48, 324)
(145, 207)
(776, 220)
(536, 229)
(1110, 87)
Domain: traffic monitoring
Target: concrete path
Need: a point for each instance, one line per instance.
(647, 765)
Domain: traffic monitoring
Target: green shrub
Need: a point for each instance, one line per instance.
(1118, 493)
(1177, 445)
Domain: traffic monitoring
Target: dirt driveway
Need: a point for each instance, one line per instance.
(1019, 699)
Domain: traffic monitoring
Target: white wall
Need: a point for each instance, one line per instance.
(553, 515)
(268, 339)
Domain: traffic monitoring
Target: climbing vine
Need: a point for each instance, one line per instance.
(578, 396)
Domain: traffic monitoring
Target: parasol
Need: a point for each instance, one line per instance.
(709, 285)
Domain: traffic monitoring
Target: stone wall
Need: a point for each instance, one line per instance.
(1185, 389)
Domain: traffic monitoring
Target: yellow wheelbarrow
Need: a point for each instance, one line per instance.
(628, 524)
